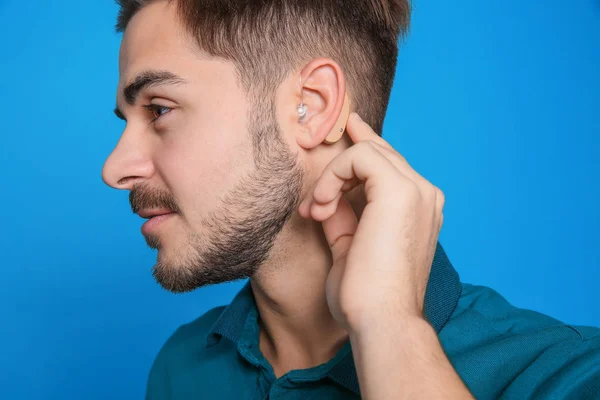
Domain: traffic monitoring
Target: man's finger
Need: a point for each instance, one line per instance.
(359, 130)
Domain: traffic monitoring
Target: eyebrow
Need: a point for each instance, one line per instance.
(145, 80)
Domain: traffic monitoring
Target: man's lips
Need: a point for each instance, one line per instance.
(155, 221)
(153, 212)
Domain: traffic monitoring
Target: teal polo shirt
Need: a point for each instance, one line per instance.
(500, 351)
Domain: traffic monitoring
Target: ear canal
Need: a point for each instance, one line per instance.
(340, 125)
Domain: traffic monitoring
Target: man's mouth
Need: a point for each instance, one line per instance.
(153, 212)
(155, 218)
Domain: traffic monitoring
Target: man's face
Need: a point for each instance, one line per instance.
(187, 149)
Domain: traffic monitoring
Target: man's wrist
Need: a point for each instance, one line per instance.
(398, 320)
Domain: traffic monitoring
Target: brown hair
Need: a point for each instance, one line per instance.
(267, 39)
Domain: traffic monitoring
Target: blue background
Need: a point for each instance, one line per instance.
(497, 103)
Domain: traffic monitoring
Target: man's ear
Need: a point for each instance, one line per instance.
(322, 89)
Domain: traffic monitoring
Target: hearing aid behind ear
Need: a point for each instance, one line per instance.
(340, 125)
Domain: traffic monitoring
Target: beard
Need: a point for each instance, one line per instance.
(241, 232)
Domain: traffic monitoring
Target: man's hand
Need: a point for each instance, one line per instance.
(381, 264)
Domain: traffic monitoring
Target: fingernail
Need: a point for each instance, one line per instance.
(358, 116)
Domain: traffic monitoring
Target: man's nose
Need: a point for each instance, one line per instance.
(129, 163)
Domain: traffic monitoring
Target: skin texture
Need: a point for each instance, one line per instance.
(350, 262)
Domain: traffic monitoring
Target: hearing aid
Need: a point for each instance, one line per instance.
(339, 127)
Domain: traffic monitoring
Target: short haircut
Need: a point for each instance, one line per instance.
(268, 39)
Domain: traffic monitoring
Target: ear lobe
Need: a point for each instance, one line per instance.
(340, 125)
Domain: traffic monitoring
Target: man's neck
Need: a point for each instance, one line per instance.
(298, 341)
(297, 330)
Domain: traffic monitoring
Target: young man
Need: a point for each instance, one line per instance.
(232, 151)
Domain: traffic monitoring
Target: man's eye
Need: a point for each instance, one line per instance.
(157, 111)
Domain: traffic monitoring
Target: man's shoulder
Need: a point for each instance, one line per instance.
(503, 351)
(484, 306)
(193, 333)
(188, 338)
(178, 352)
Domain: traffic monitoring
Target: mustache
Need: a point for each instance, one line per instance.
(142, 197)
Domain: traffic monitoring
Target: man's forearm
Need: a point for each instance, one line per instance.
(403, 359)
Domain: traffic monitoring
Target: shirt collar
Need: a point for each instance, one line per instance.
(441, 297)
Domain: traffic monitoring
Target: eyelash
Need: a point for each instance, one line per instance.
(154, 107)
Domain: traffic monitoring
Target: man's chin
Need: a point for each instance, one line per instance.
(176, 279)
(153, 241)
